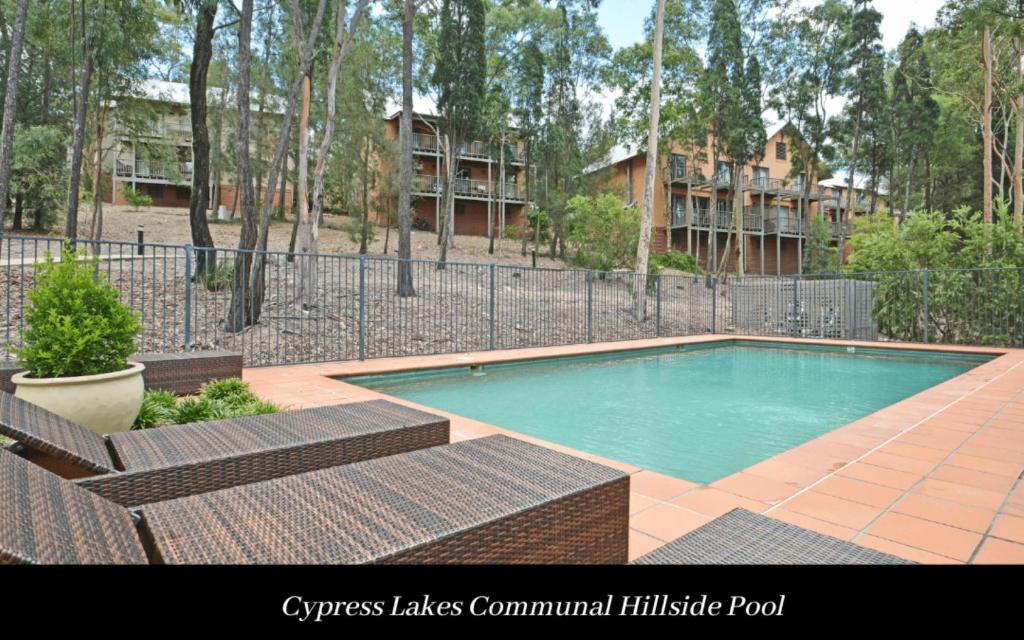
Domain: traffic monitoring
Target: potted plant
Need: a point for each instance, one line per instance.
(75, 346)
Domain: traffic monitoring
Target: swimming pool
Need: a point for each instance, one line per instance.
(699, 412)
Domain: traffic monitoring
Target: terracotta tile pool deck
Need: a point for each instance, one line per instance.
(934, 478)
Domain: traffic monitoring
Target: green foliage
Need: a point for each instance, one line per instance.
(819, 255)
(677, 260)
(513, 232)
(137, 198)
(217, 400)
(75, 325)
(225, 389)
(539, 217)
(357, 229)
(602, 233)
(970, 301)
(158, 408)
(217, 277)
(38, 172)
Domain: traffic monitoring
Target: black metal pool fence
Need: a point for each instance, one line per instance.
(281, 308)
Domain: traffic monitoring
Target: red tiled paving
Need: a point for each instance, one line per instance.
(935, 478)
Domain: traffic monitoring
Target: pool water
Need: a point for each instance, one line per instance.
(698, 414)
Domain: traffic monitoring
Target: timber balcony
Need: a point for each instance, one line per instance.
(172, 173)
(426, 143)
(757, 220)
(677, 175)
(432, 186)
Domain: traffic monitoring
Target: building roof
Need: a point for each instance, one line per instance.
(622, 152)
(860, 182)
(178, 93)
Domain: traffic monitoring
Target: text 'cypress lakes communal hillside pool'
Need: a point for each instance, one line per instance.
(698, 414)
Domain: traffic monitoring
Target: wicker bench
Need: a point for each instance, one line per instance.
(489, 500)
(137, 467)
(744, 537)
(8, 368)
(179, 373)
(184, 373)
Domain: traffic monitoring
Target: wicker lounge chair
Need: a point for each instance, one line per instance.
(137, 467)
(744, 537)
(489, 500)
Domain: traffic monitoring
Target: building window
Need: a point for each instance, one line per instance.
(780, 150)
(460, 208)
(678, 166)
(724, 172)
(760, 176)
(156, 191)
(182, 193)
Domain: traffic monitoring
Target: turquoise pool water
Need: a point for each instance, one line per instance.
(699, 414)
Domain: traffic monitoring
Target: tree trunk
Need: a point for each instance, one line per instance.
(96, 229)
(10, 107)
(643, 248)
(78, 137)
(19, 203)
(1018, 148)
(986, 124)
(448, 199)
(240, 312)
(307, 234)
(199, 200)
(247, 300)
(405, 286)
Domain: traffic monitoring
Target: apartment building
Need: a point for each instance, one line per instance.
(158, 160)
(484, 184)
(693, 209)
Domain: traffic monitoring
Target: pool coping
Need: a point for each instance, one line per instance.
(934, 477)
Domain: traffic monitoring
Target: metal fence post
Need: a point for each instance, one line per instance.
(490, 303)
(590, 306)
(657, 306)
(362, 307)
(925, 306)
(188, 297)
(794, 317)
(714, 304)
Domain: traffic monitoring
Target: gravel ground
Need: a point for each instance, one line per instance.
(170, 226)
(451, 312)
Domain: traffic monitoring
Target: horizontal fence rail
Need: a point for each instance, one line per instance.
(281, 308)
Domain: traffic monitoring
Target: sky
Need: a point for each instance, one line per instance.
(623, 20)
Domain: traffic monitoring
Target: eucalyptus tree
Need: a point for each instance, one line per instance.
(730, 96)
(863, 87)
(11, 105)
(808, 81)
(248, 283)
(644, 241)
(460, 67)
(915, 111)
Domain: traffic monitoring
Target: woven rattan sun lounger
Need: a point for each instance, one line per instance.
(489, 500)
(744, 537)
(137, 467)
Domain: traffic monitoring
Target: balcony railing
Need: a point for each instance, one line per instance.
(467, 188)
(148, 170)
(477, 149)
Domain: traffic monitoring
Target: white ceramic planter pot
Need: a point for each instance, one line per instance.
(104, 403)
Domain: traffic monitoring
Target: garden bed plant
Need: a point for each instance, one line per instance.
(217, 400)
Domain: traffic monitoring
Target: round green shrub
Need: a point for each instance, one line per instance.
(75, 324)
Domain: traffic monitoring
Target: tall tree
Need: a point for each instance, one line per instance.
(458, 77)
(310, 237)
(644, 242)
(915, 111)
(199, 200)
(864, 88)
(405, 288)
(85, 35)
(11, 106)
(240, 312)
